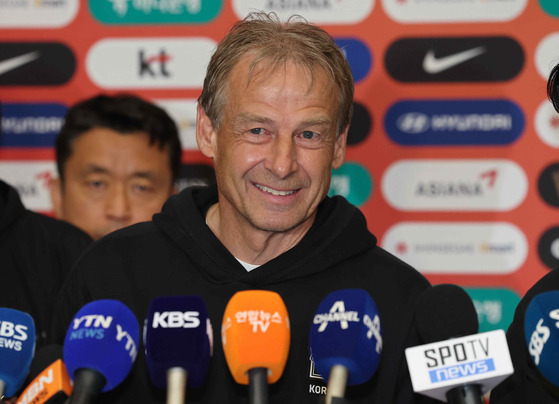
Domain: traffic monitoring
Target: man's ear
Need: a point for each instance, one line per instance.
(339, 149)
(205, 133)
(56, 197)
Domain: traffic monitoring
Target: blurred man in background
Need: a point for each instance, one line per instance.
(528, 384)
(36, 254)
(117, 159)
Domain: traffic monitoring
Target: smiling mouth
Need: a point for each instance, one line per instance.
(274, 191)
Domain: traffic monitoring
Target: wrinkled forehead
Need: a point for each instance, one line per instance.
(254, 70)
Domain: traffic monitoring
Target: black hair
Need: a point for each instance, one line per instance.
(553, 87)
(125, 114)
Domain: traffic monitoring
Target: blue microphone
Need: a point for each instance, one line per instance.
(178, 339)
(345, 340)
(541, 330)
(17, 346)
(100, 348)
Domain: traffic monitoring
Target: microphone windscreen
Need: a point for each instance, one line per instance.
(445, 311)
(49, 381)
(255, 334)
(17, 346)
(346, 331)
(178, 333)
(104, 337)
(541, 330)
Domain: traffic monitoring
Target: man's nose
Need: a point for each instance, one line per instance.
(118, 204)
(282, 159)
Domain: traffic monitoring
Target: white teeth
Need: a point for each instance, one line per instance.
(274, 191)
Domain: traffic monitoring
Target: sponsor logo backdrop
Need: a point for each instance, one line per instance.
(452, 153)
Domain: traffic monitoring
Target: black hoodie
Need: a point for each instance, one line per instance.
(36, 254)
(177, 254)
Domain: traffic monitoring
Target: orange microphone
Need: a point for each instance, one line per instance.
(51, 383)
(255, 336)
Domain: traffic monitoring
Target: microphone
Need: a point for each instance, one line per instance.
(100, 348)
(17, 346)
(50, 382)
(457, 369)
(541, 330)
(255, 336)
(443, 312)
(345, 340)
(178, 339)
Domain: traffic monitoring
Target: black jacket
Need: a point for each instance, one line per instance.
(177, 254)
(526, 384)
(36, 254)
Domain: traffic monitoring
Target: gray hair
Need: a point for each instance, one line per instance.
(275, 43)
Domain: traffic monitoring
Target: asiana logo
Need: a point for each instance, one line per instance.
(486, 180)
(451, 185)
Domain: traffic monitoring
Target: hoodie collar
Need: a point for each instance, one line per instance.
(339, 231)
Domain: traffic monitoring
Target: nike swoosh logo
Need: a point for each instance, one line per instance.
(13, 63)
(432, 65)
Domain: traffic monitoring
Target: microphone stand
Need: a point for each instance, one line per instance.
(466, 394)
(258, 385)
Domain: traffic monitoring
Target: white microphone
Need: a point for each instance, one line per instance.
(479, 359)
(455, 364)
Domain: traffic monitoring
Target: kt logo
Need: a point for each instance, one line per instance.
(154, 65)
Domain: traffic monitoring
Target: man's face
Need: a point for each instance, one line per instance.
(276, 147)
(112, 181)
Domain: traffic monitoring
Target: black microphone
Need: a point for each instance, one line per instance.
(455, 364)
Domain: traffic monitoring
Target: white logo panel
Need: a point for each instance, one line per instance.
(547, 124)
(452, 185)
(149, 62)
(37, 14)
(458, 248)
(481, 359)
(546, 55)
(316, 11)
(183, 113)
(32, 181)
(441, 11)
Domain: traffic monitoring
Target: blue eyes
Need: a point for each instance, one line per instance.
(307, 134)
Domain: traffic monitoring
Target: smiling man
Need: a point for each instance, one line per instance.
(273, 154)
(117, 159)
(273, 116)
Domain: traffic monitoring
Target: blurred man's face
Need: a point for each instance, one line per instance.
(112, 181)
